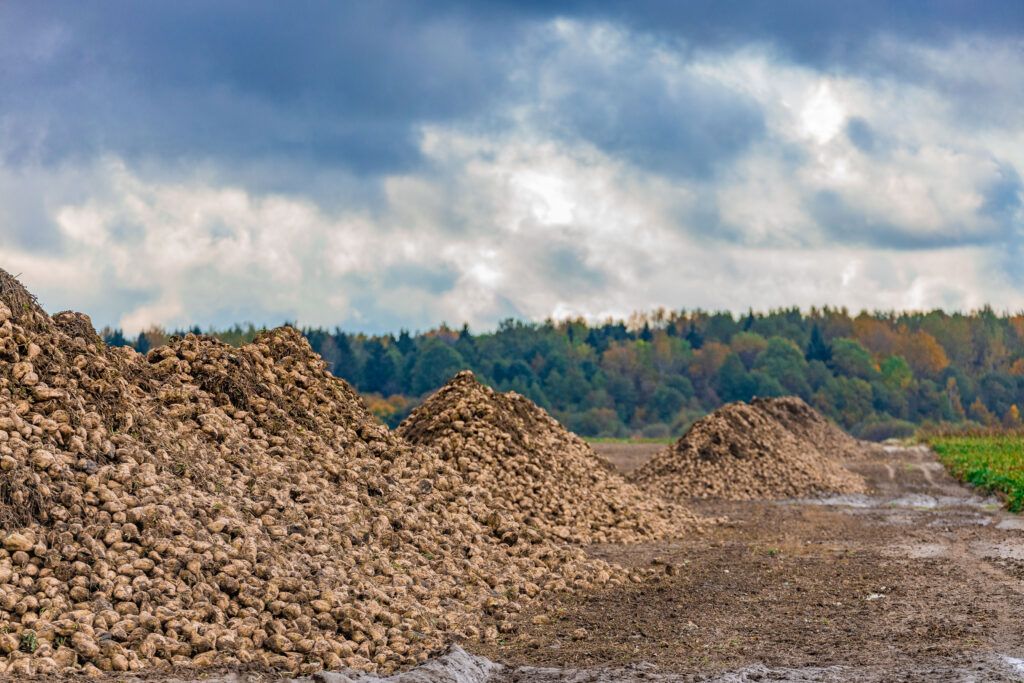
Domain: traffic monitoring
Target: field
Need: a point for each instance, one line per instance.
(919, 580)
(992, 462)
(627, 454)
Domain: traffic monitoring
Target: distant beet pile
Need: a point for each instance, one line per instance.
(211, 506)
(523, 468)
(809, 425)
(771, 448)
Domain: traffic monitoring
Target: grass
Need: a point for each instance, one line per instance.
(994, 462)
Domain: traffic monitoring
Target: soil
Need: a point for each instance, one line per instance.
(920, 579)
(626, 457)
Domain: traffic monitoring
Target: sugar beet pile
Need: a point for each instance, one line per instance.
(522, 466)
(212, 506)
(770, 448)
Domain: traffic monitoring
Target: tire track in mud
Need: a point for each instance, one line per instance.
(898, 584)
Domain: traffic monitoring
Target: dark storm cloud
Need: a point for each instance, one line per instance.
(348, 84)
(343, 84)
(567, 264)
(813, 32)
(1003, 198)
(845, 223)
(435, 279)
(635, 108)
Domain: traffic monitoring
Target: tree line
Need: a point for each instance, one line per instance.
(878, 374)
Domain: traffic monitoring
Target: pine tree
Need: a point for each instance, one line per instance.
(748, 321)
(405, 343)
(695, 338)
(380, 371)
(115, 338)
(818, 348)
(346, 364)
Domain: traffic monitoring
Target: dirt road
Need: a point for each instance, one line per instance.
(920, 580)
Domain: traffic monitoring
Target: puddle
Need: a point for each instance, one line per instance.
(898, 518)
(912, 501)
(1007, 550)
(918, 551)
(458, 666)
(897, 448)
(1017, 665)
(961, 521)
(851, 500)
(1011, 524)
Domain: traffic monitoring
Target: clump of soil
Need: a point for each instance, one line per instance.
(772, 448)
(206, 506)
(520, 463)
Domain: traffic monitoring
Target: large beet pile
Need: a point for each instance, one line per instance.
(772, 448)
(212, 506)
(520, 463)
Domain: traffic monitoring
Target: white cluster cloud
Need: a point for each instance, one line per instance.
(860, 191)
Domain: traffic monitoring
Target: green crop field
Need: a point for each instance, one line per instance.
(992, 462)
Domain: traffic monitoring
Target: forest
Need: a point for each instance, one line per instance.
(879, 375)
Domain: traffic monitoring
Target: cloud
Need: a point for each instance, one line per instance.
(559, 230)
(821, 35)
(393, 165)
(635, 99)
(346, 85)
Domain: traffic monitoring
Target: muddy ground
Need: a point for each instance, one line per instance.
(920, 580)
(627, 456)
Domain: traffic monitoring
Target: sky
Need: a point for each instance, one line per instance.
(384, 165)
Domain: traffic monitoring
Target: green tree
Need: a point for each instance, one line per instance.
(666, 402)
(734, 382)
(817, 347)
(896, 373)
(849, 400)
(748, 346)
(785, 364)
(435, 364)
(850, 359)
(380, 374)
(405, 343)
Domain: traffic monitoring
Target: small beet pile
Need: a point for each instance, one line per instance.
(524, 471)
(207, 506)
(770, 448)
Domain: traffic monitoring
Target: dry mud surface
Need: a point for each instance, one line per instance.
(626, 456)
(918, 580)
